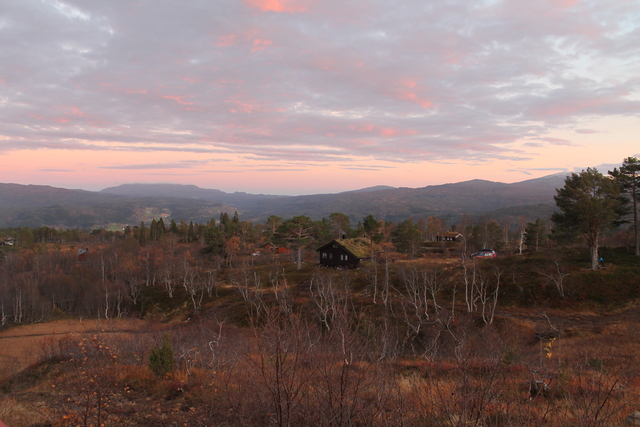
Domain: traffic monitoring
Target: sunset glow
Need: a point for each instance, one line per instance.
(302, 97)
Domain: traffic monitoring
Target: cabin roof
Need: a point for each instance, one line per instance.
(358, 246)
(449, 234)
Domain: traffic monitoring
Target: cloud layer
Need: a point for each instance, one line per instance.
(293, 84)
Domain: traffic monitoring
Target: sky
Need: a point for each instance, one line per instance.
(306, 97)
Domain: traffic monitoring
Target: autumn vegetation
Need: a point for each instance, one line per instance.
(242, 334)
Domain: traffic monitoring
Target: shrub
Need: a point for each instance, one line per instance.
(161, 358)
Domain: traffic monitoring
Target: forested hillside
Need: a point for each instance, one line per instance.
(35, 206)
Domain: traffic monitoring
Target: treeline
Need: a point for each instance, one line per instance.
(107, 274)
(231, 235)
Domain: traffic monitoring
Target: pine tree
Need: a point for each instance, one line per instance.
(536, 234)
(407, 237)
(589, 203)
(629, 178)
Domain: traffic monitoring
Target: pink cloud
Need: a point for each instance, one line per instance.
(226, 40)
(241, 104)
(326, 64)
(568, 108)
(127, 91)
(557, 141)
(73, 111)
(259, 44)
(565, 3)
(289, 6)
(178, 99)
(409, 90)
(362, 142)
(99, 124)
(134, 91)
(245, 107)
(224, 81)
(410, 96)
(386, 132)
(250, 36)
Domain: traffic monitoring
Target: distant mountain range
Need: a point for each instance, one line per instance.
(37, 205)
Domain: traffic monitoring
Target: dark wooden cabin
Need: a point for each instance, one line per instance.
(449, 236)
(343, 253)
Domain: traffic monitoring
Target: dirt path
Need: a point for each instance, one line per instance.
(22, 346)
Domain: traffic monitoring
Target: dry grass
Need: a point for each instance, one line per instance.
(24, 345)
(597, 389)
(224, 377)
(17, 414)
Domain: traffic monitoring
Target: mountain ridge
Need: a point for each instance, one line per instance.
(33, 205)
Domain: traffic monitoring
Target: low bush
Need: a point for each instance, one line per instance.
(161, 359)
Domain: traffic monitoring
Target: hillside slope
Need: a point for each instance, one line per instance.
(34, 206)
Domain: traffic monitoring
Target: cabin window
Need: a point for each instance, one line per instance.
(324, 254)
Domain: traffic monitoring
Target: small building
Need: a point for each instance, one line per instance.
(82, 253)
(342, 253)
(449, 236)
(8, 241)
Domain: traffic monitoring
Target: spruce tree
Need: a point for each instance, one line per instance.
(161, 359)
(142, 234)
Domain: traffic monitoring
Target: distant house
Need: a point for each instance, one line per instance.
(342, 253)
(449, 236)
(8, 241)
(82, 253)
